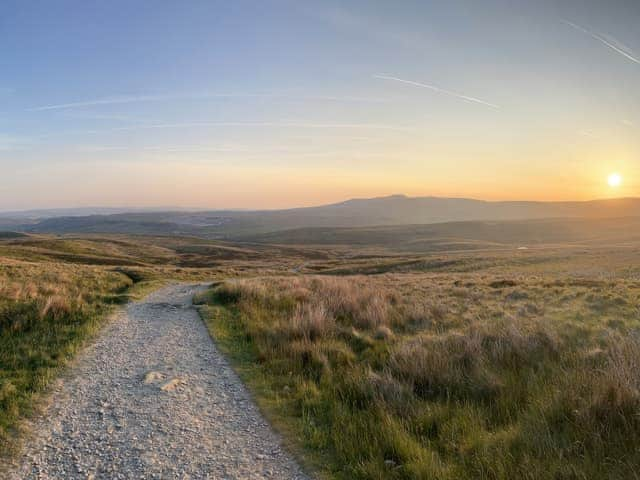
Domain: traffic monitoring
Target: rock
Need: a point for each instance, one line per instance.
(172, 384)
(153, 377)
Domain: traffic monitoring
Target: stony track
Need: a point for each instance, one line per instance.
(153, 398)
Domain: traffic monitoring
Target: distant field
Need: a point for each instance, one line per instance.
(448, 376)
(460, 236)
(164, 255)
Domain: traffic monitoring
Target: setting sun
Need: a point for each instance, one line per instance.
(614, 180)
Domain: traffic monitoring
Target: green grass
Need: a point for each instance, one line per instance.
(56, 293)
(239, 348)
(47, 313)
(490, 365)
(442, 376)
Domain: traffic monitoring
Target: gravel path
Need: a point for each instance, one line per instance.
(153, 398)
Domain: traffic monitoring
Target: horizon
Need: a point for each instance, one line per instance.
(187, 208)
(282, 104)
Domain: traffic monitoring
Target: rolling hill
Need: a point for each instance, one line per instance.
(384, 211)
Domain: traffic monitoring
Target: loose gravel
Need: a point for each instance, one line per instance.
(153, 398)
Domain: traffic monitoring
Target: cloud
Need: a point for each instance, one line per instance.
(106, 101)
(163, 148)
(123, 99)
(608, 41)
(589, 134)
(438, 90)
(180, 125)
(103, 117)
(100, 148)
(371, 126)
(246, 151)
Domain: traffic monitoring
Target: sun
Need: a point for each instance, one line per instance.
(614, 180)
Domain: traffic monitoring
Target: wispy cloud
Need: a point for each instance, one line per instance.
(608, 41)
(288, 124)
(100, 148)
(589, 134)
(163, 148)
(191, 125)
(123, 99)
(83, 115)
(245, 151)
(106, 101)
(438, 90)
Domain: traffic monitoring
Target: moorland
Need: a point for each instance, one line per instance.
(500, 349)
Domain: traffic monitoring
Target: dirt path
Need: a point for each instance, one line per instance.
(153, 398)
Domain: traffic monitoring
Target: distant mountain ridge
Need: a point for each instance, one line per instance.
(380, 211)
(401, 209)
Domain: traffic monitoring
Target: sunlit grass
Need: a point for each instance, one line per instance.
(449, 376)
(47, 312)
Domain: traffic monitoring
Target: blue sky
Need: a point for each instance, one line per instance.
(280, 103)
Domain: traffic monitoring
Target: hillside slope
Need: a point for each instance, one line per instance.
(392, 210)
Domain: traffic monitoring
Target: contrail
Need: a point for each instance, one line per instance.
(194, 96)
(438, 89)
(105, 101)
(610, 42)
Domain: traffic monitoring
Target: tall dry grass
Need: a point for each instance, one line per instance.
(406, 376)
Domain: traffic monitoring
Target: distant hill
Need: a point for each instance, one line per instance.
(383, 211)
(11, 235)
(80, 212)
(145, 224)
(400, 209)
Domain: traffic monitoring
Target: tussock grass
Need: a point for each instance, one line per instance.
(442, 376)
(47, 311)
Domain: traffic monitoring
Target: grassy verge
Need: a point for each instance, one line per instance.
(239, 348)
(443, 377)
(47, 313)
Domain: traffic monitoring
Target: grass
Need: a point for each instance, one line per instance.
(50, 308)
(373, 364)
(46, 314)
(56, 292)
(443, 376)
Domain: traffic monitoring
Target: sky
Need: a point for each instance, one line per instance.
(280, 103)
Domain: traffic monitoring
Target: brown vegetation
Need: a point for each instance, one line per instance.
(443, 376)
